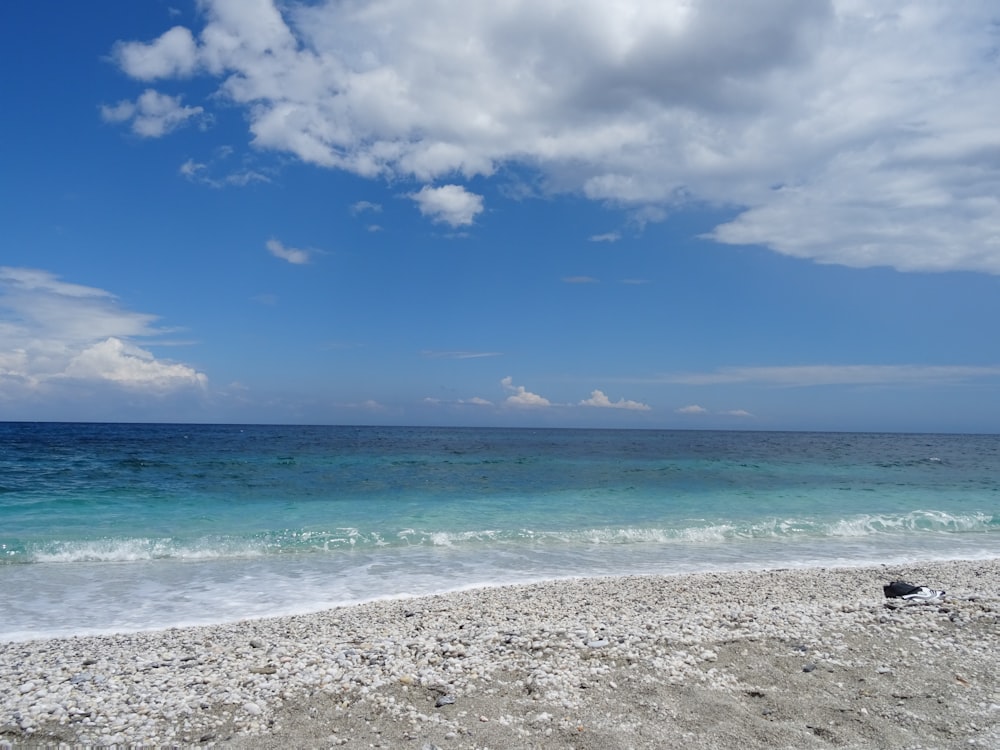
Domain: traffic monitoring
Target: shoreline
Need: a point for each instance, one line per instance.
(792, 657)
(95, 598)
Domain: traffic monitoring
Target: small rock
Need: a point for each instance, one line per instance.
(444, 700)
(808, 667)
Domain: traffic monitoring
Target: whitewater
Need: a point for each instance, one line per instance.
(126, 527)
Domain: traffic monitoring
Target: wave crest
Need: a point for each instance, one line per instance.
(695, 532)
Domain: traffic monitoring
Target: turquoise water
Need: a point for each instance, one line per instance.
(108, 527)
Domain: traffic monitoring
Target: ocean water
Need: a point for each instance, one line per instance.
(120, 527)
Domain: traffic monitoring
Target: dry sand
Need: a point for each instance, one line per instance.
(798, 659)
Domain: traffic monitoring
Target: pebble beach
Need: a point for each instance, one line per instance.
(792, 658)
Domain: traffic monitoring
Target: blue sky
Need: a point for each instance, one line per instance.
(756, 215)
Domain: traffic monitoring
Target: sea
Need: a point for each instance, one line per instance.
(125, 527)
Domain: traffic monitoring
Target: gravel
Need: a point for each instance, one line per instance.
(786, 658)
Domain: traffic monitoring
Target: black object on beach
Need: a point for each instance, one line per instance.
(903, 590)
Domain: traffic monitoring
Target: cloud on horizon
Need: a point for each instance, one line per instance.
(54, 334)
(698, 411)
(821, 375)
(857, 134)
(692, 409)
(521, 397)
(600, 400)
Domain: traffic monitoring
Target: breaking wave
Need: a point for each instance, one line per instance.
(913, 525)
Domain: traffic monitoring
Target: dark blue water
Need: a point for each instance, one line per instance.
(110, 527)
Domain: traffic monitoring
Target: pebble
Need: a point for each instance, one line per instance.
(188, 685)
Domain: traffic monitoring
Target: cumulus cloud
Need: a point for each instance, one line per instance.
(174, 53)
(126, 364)
(598, 399)
(855, 133)
(449, 204)
(152, 115)
(293, 255)
(53, 332)
(520, 396)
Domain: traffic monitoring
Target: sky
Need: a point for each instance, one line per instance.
(696, 214)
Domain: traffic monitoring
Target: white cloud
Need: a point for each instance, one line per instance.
(579, 280)
(449, 204)
(153, 114)
(521, 397)
(692, 409)
(128, 365)
(120, 112)
(736, 413)
(53, 332)
(174, 53)
(363, 206)
(205, 174)
(598, 399)
(860, 133)
(819, 375)
(606, 237)
(191, 169)
(291, 254)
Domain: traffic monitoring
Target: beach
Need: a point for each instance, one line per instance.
(786, 658)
